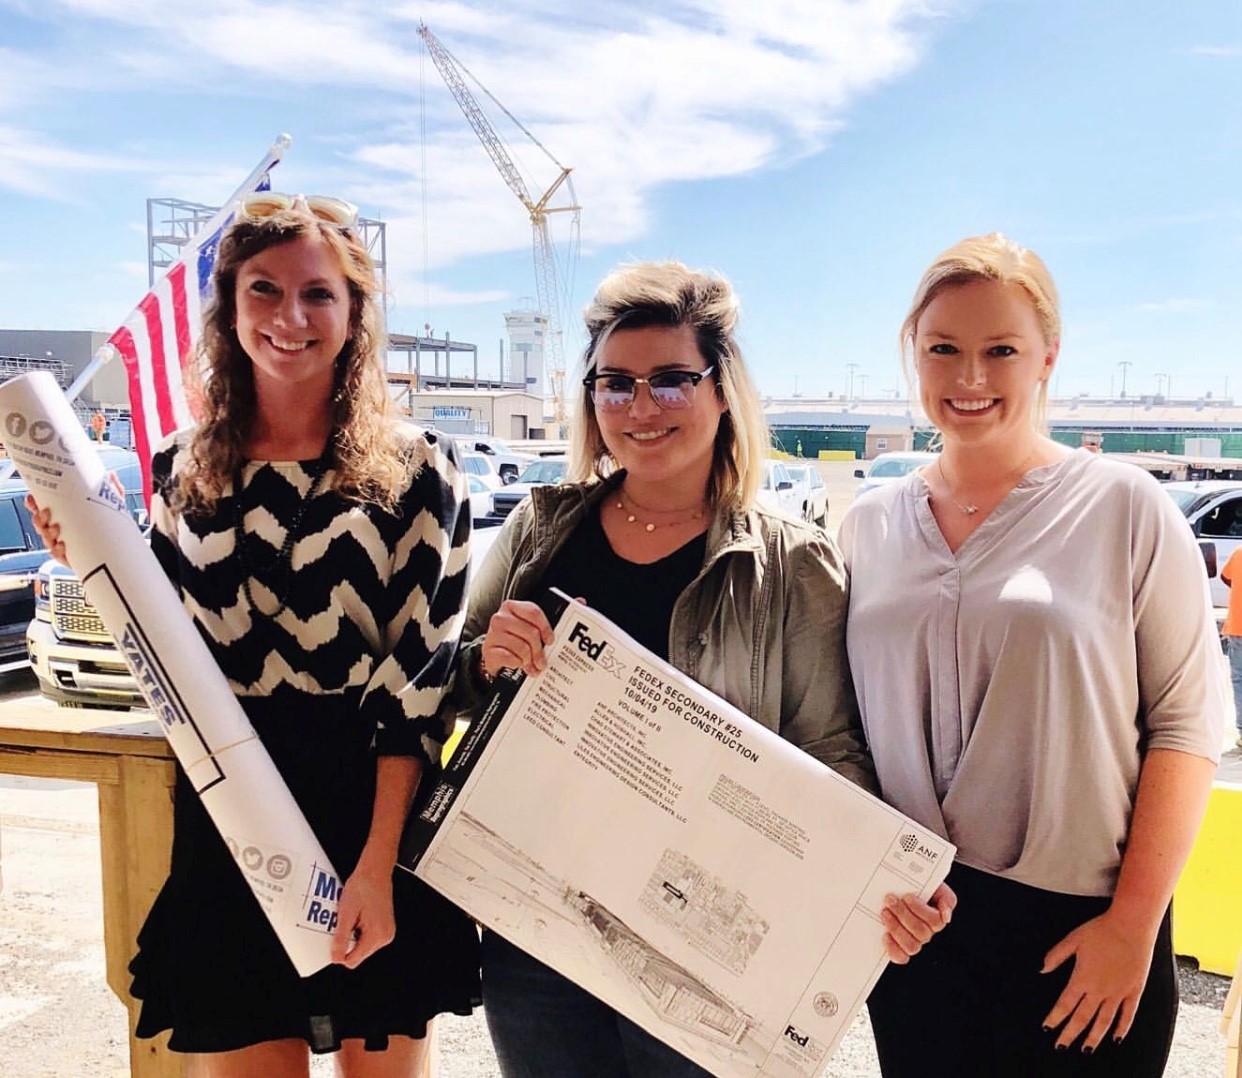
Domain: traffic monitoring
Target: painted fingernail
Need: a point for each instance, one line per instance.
(1062, 1047)
(1087, 1049)
(1047, 1029)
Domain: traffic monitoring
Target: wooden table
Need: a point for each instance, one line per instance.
(131, 763)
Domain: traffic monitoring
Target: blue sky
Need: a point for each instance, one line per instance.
(817, 152)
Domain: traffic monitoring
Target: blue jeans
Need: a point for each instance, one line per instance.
(1233, 648)
(544, 1026)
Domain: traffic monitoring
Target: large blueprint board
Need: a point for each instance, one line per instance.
(641, 836)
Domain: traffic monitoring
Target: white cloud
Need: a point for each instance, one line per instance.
(635, 97)
(29, 161)
(1174, 305)
(1217, 50)
(407, 294)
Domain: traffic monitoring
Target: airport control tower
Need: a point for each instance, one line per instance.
(527, 333)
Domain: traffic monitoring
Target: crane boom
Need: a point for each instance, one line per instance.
(546, 293)
(447, 66)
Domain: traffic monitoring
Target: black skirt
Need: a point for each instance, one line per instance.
(210, 968)
(973, 1001)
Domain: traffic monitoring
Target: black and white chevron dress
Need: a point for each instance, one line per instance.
(354, 664)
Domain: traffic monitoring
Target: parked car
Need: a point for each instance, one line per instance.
(70, 651)
(544, 470)
(21, 554)
(483, 468)
(1213, 508)
(811, 491)
(63, 639)
(776, 491)
(480, 502)
(888, 468)
(508, 463)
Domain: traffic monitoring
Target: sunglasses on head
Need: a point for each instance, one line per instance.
(669, 389)
(335, 211)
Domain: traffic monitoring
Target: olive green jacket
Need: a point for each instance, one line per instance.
(763, 624)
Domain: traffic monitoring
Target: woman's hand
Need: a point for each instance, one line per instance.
(48, 529)
(1111, 962)
(516, 637)
(911, 922)
(365, 921)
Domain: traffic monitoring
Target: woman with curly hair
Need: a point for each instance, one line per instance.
(321, 548)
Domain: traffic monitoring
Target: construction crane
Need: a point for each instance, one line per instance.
(546, 291)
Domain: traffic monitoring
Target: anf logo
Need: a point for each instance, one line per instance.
(909, 842)
(597, 650)
(800, 1039)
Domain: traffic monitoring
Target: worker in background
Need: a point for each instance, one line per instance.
(1232, 632)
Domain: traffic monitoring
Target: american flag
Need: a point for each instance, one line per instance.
(158, 339)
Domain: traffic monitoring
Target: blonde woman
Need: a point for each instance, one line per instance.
(321, 549)
(661, 533)
(1037, 669)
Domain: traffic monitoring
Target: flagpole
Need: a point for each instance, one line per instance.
(106, 352)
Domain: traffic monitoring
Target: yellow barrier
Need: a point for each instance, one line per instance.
(837, 454)
(1207, 905)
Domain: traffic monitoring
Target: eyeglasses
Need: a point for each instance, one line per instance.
(335, 211)
(669, 389)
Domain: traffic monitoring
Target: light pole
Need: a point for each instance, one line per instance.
(851, 367)
(862, 378)
(1125, 365)
(1168, 382)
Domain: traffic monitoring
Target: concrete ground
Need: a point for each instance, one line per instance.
(58, 1018)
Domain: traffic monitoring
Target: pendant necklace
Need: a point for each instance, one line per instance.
(281, 566)
(969, 508)
(632, 517)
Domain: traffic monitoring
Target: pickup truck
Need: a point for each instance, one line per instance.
(70, 651)
(1213, 508)
(68, 648)
(508, 464)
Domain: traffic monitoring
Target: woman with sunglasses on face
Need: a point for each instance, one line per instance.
(1039, 678)
(321, 549)
(660, 533)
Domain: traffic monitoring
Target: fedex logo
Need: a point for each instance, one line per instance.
(597, 650)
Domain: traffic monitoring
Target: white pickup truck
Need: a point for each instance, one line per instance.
(70, 651)
(1213, 507)
(509, 465)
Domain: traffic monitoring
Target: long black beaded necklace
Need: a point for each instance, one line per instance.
(282, 564)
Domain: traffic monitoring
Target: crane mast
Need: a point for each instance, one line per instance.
(546, 291)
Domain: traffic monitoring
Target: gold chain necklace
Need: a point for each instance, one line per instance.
(969, 508)
(632, 517)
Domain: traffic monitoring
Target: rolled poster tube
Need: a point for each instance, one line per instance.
(273, 845)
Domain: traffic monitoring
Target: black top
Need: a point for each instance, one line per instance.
(639, 598)
(327, 595)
